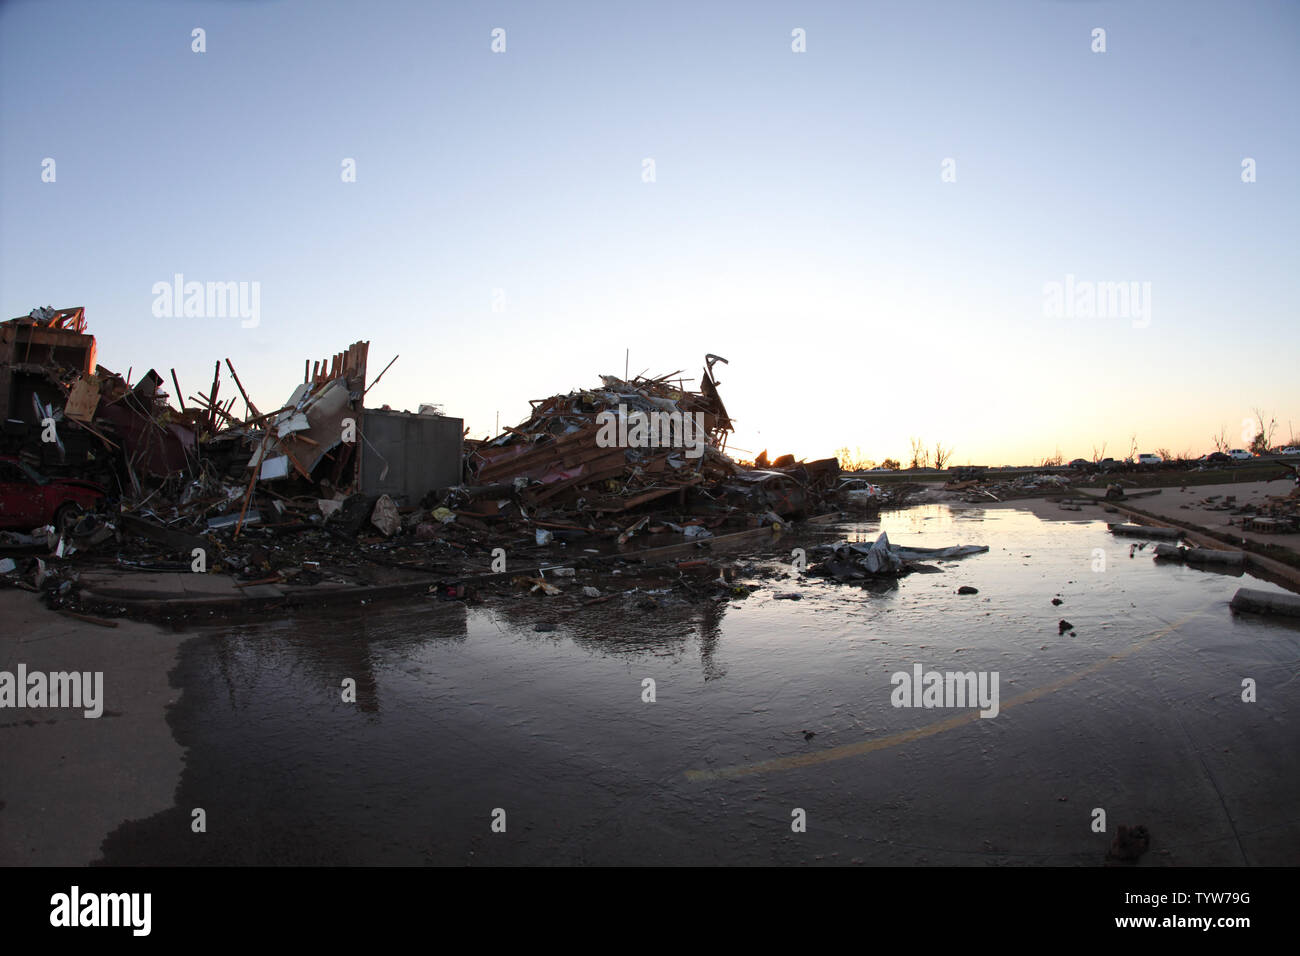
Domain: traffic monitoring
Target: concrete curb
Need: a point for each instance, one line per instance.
(1266, 567)
(154, 605)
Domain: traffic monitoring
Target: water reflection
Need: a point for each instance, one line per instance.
(534, 704)
(282, 656)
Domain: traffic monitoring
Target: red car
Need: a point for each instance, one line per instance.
(29, 499)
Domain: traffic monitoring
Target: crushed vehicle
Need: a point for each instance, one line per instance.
(29, 499)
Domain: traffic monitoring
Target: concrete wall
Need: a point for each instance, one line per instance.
(422, 452)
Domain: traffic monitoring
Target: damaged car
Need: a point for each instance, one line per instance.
(29, 499)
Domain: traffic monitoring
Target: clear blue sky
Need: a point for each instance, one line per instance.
(798, 224)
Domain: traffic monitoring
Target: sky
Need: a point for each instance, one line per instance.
(893, 234)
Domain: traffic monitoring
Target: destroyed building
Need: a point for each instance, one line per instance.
(593, 454)
(179, 461)
(322, 487)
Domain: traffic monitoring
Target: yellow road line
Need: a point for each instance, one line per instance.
(907, 736)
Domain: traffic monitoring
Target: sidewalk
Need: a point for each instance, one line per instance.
(182, 592)
(1185, 507)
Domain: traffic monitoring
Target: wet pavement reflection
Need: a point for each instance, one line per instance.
(762, 707)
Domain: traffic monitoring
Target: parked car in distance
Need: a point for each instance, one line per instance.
(1149, 459)
(1291, 450)
(1080, 463)
(1239, 454)
(1106, 464)
(1218, 458)
(29, 499)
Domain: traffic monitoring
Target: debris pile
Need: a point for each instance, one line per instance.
(1276, 514)
(605, 450)
(141, 477)
(645, 455)
(863, 561)
(1022, 486)
(92, 461)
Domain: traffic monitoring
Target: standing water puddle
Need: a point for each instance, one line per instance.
(763, 708)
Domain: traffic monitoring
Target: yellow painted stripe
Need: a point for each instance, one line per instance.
(907, 736)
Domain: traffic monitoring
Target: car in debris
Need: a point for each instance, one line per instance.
(1239, 454)
(772, 490)
(29, 499)
(1107, 464)
(854, 483)
(1080, 463)
(1217, 458)
(1290, 450)
(1148, 459)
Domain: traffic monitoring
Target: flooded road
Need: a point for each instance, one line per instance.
(763, 708)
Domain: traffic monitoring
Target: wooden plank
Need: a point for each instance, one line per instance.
(380, 375)
(212, 398)
(82, 400)
(240, 385)
(256, 470)
(180, 395)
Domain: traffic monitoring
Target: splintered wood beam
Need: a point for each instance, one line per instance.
(213, 411)
(212, 396)
(257, 469)
(240, 385)
(380, 375)
(180, 396)
(262, 418)
(93, 432)
(294, 461)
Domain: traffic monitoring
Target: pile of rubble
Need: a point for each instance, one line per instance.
(645, 455)
(1022, 486)
(1277, 514)
(606, 450)
(322, 488)
(866, 561)
(65, 415)
(92, 461)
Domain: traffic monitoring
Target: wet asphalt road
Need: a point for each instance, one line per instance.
(463, 711)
